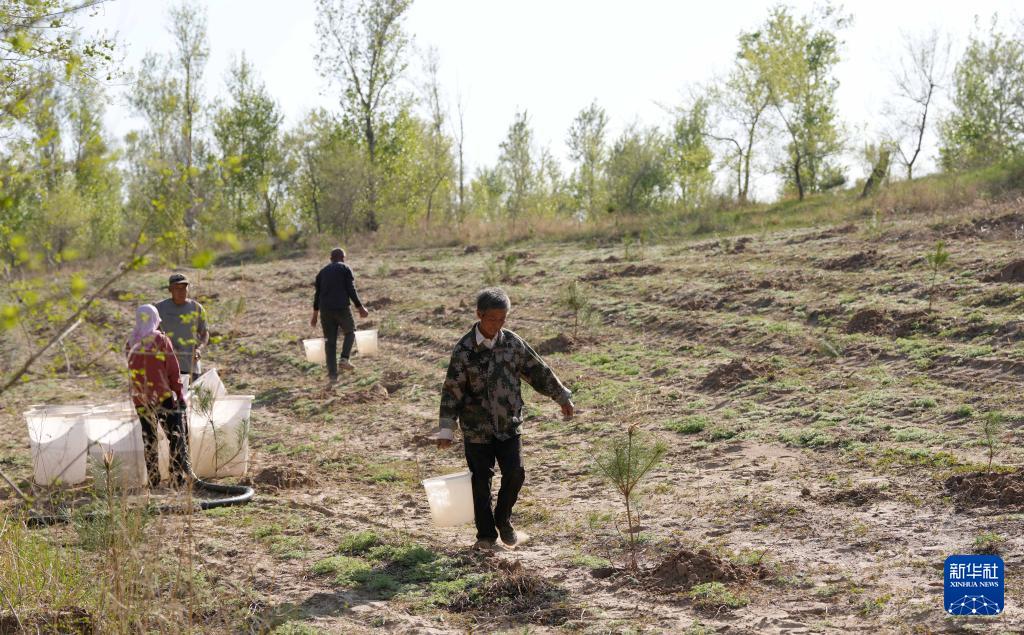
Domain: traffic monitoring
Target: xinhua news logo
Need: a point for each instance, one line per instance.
(974, 585)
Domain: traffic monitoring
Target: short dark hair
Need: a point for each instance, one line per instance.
(492, 298)
(337, 254)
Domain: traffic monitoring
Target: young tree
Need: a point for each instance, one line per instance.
(460, 139)
(516, 163)
(363, 50)
(588, 149)
(248, 131)
(740, 112)
(639, 178)
(188, 26)
(920, 75)
(438, 152)
(987, 120)
(794, 58)
(689, 156)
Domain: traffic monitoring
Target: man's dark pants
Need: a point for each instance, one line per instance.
(332, 320)
(481, 458)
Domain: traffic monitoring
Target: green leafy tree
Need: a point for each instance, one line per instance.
(689, 155)
(517, 165)
(795, 58)
(439, 164)
(362, 48)
(192, 51)
(986, 123)
(588, 150)
(248, 132)
(740, 115)
(639, 176)
(486, 191)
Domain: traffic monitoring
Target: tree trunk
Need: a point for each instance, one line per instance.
(371, 147)
(878, 174)
(797, 178)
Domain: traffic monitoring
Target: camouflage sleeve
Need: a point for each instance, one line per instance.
(539, 375)
(451, 395)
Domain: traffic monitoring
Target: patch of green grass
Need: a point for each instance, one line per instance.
(621, 364)
(688, 425)
(715, 596)
(266, 531)
(289, 547)
(590, 562)
(912, 433)
(963, 411)
(923, 403)
(359, 542)
(988, 542)
(806, 437)
(918, 458)
(347, 571)
(873, 606)
(296, 628)
(720, 433)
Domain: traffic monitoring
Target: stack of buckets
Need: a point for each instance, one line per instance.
(63, 439)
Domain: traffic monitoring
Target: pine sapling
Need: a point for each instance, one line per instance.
(991, 426)
(936, 260)
(625, 462)
(574, 298)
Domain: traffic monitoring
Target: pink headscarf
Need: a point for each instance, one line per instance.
(147, 318)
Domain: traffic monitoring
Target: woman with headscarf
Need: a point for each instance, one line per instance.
(157, 393)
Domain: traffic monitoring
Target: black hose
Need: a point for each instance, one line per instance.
(236, 494)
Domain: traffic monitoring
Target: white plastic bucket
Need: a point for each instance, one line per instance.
(219, 442)
(315, 353)
(366, 342)
(209, 382)
(58, 444)
(450, 498)
(114, 432)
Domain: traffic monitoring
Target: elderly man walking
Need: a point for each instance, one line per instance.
(184, 321)
(335, 290)
(482, 393)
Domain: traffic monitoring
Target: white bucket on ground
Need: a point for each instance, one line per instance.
(58, 443)
(219, 441)
(116, 432)
(366, 342)
(450, 498)
(315, 353)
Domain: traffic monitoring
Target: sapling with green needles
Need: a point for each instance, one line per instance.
(936, 260)
(501, 270)
(991, 426)
(575, 300)
(625, 462)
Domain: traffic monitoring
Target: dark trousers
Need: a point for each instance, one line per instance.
(481, 458)
(172, 420)
(332, 321)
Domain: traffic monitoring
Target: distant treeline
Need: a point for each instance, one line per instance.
(389, 157)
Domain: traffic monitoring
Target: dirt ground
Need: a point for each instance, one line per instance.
(824, 431)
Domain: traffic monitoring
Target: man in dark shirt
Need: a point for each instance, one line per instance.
(335, 289)
(481, 395)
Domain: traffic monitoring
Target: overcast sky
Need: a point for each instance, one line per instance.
(550, 57)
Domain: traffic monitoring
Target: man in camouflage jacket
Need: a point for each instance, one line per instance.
(482, 393)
